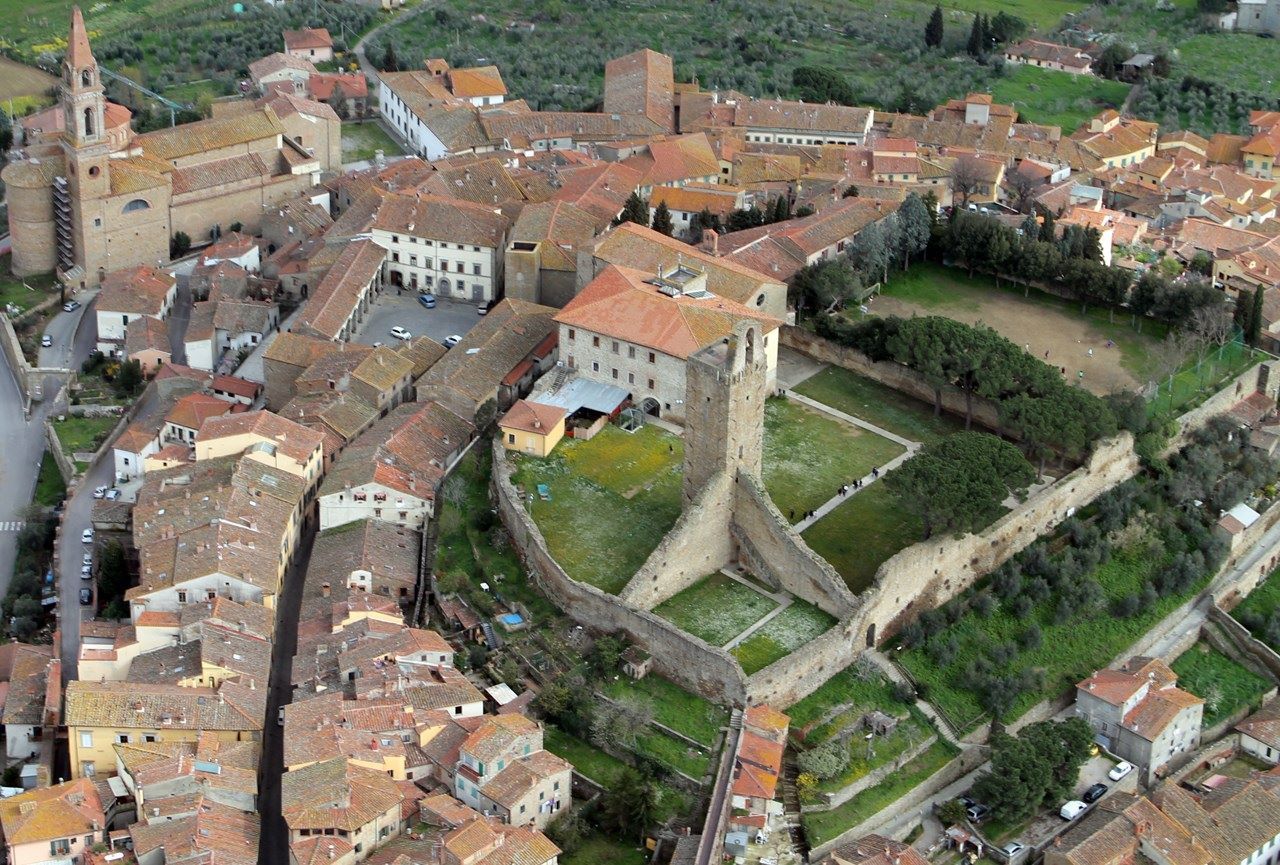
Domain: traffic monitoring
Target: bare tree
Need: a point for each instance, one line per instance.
(968, 175)
(1211, 325)
(1024, 188)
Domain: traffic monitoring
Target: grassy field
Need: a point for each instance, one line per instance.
(782, 635)
(1261, 604)
(1196, 381)
(821, 826)
(674, 707)
(1053, 98)
(602, 850)
(861, 534)
(49, 486)
(808, 455)
(1238, 60)
(1067, 652)
(1039, 321)
(586, 758)
(19, 80)
(23, 293)
(673, 753)
(716, 609)
(361, 140)
(1223, 684)
(83, 433)
(613, 498)
(821, 714)
(877, 404)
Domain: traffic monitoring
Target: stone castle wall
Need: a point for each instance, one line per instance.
(1263, 378)
(803, 671)
(694, 664)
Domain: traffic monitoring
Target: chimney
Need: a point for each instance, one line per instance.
(325, 589)
(709, 235)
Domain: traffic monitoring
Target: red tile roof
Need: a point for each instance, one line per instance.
(532, 417)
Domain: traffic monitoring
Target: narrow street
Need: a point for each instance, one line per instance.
(274, 842)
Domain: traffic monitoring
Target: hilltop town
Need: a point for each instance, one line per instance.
(404, 468)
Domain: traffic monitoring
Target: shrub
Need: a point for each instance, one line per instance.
(826, 760)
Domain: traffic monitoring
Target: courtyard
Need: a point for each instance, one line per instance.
(391, 309)
(862, 533)
(792, 628)
(808, 455)
(1225, 685)
(610, 500)
(866, 399)
(717, 608)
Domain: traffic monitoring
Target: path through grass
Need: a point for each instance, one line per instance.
(716, 609)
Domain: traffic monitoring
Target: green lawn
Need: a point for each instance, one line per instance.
(674, 707)
(602, 850)
(878, 404)
(1257, 610)
(808, 455)
(1223, 684)
(782, 635)
(846, 692)
(613, 498)
(586, 758)
(1053, 98)
(1067, 652)
(1241, 61)
(716, 608)
(23, 293)
(910, 732)
(861, 534)
(83, 433)
(822, 826)
(361, 140)
(1196, 381)
(49, 486)
(673, 753)
(1032, 319)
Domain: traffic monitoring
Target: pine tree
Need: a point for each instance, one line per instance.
(975, 43)
(933, 31)
(1242, 315)
(635, 210)
(662, 219)
(781, 209)
(986, 33)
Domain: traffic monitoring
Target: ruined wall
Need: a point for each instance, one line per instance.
(699, 667)
(928, 573)
(771, 549)
(697, 545)
(802, 672)
(1265, 377)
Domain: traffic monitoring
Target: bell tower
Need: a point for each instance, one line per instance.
(84, 106)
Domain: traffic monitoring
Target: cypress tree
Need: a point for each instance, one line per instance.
(974, 45)
(933, 31)
(1255, 321)
(662, 219)
(781, 209)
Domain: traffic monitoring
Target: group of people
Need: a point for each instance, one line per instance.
(841, 492)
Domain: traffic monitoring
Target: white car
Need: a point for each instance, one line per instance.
(113, 494)
(86, 536)
(451, 341)
(86, 572)
(1121, 769)
(1072, 810)
(99, 492)
(87, 559)
(400, 333)
(46, 341)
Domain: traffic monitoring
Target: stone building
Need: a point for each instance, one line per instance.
(97, 197)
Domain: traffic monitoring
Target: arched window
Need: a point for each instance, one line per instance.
(86, 77)
(136, 204)
(88, 121)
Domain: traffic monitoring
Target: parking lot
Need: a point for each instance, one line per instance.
(1045, 825)
(450, 317)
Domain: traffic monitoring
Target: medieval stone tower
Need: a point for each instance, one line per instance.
(725, 393)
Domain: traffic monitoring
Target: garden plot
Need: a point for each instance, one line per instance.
(716, 608)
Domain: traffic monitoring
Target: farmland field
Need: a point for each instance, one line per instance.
(18, 80)
(1053, 98)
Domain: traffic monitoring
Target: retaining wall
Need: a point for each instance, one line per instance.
(696, 665)
(1244, 642)
(65, 466)
(844, 794)
(1265, 377)
(803, 671)
(13, 353)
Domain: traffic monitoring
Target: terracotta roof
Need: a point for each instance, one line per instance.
(277, 62)
(692, 198)
(779, 114)
(204, 136)
(476, 81)
(1050, 52)
(753, 782)
(514, 782)
(331, 305)
(297, 349)
(140, 290)
(130, 705)
(625, 304)
(146, 334)
(322, 85)
(761, 752)
(310, 37)
(236, 386)
(292, 439)
(192, 410)
(641, 83)
(875, 850)
(68, 809)
(28, 676)
(335, 794)
(670, 160)
(531, 417)
(1232, 823)
(496, 734)
(1112, 686)
(1158, 710)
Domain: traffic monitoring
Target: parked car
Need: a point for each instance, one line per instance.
(1013, 848)
(86, 572)
(1124, 767)
(452, 340)
(400, 333)
(977, 813)
(428, 300)
(280, 716)
(113, 494)
(87, 559)
(483, 308)
(86, 596)
(1072, 810)
(46, 340)
(99, 492)
(1094, 793)
(87, 536)
(71, 306)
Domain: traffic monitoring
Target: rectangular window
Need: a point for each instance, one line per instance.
(650, 384)
(572, 333)
(595, 342)
(413, 259)
(615, 346)
(511, 438)
(60, 847)
(86, 739)
(475, 269)
(653, 358)
(182, 596)
(631, 378)
(395, 238)
(631, 352)
(462, 267)
(395, 256)
(122, 738)
(595, 366)
(444, 264)
(615, 372)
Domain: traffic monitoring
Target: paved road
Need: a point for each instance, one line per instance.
(19, 465)
(365, 66)
(274, 841)
(74, 335)
(179, 318)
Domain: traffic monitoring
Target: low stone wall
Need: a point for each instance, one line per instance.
(1244, 642)
(894, 375)
(774, 551)
(969, 759)
(844, 794)
(35, 311)
(695, 547)
(803, 671)
(65, 466)
(928, 573)
(702, 668)
(13, 353)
